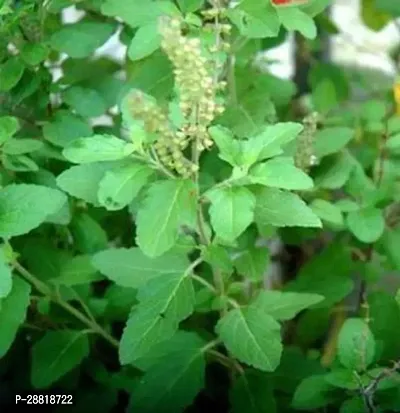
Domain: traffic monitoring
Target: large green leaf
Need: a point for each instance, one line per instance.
(171, 384)
(366, 224)
(284, 305)
(252, 392)
(164, 302)
(252, 336)
(158, 222)
(146, 40)
(231, 211)
(356, 344)
(82, 181)
(98, 148)
(280, 173)
(131, 268)
(55, 354)
(24, 207)
(331, 140)
(81, 39)
(84, 101)
(13, 312)
(283, 209)
(120, 185)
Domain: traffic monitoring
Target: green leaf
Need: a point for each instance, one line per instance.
(190, 6)
(284, 305)
(98, 148)
(229, 148)
(293, 18)
(231, 211)
(343, 379)
(5, 276)
(270, 141)
(164, 302)
(283, 209)
(88, 234)
(331, 140)
(10, 73)
(327, 211)
(81, 39)
(8, 127)
(252, 336)
(24, 207)
(158, 223)
(120, 186)
(391, 242)
(280, 173)
(84, 101)
(34, 53)
(131, 268)
(252, 263)
(367, 224)
(20, 146)
(393, 143)
(356, 345)
(55, 354)
(172, 383)
(335, 171)
(146, 40)
(136, 13)
(65, 128)
(79, 270)
(252, 392)
(312, 393)
(82, 181)
(13, 312)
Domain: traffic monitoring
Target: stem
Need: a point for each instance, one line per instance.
(47, 291)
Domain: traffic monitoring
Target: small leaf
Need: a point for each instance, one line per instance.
(284, 305)
(13, 312)
(8, 127)
(331, 140)
(327, 212)
(81, 39)
(229, 148)
(252, 336)
(98, 148)
(231, 211)
(146, 40)
(84, 101)
(24, 207)
(120, 186)
(55, 354)
(283, 209)
(366, 224)
(34, 53)
(78, 270)
(21, 146)
(280, 173)
(158, 223)
(131, 268)
(10, 73)
(253, 263)
(312, 393)
(356, 345)
(293, 18)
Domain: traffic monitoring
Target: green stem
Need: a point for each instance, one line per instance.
(44, 289)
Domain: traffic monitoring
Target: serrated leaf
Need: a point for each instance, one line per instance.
(231, 211)
(164, 302)
(293, 18)
(24, 207)
(98, 148)
(131, 268)
(82, 181)
(119, 186)
(285, 305)
(356, 344)
(158, 223)
(81, 39)
(5, 276)
(280, 173)
(13, 312)
(331, 140)
(160, 389)
(9, 125)
(229, 148)
(21, 146)
(252, 336)
(252, 392)
(55, 354)
(146, 40)
(366, 224)
(283, 209)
